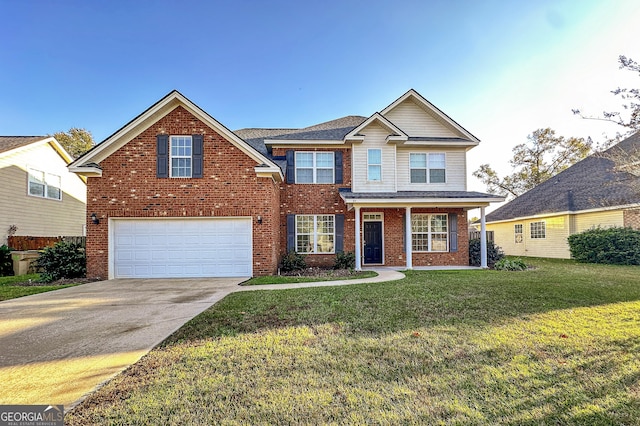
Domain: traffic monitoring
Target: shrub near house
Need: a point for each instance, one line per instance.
(615, 246)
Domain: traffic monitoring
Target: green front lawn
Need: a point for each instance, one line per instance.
(558, 344)
(12, 287)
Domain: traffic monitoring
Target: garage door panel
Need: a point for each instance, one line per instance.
(182, 248)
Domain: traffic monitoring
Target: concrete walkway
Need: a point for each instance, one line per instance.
(59, 346)
(384, 275)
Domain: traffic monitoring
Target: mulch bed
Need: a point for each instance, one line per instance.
(320, 272)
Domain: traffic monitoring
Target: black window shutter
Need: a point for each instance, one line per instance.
(339, 233)
(291, 167)
(162, 156)
(453, 232)
(338, 166)
(291, 232)
(196, 157)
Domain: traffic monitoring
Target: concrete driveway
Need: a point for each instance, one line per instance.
(55, 347)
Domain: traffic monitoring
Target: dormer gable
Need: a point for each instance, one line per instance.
(395, 133)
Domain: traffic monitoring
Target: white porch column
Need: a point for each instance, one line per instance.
(357, 240)
(483, 240)
(407, 237)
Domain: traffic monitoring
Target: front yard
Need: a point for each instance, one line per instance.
(558, 344)
(25, 285)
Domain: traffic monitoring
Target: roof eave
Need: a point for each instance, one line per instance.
(567, 212)
(289, 142)
(86, 171)
(269, 172)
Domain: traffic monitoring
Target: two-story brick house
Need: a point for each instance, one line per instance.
(174, 193)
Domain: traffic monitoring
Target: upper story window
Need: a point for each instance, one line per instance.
(427, 168)
(517, 231)
(374, 165)
(314, 167)
(429, 232)
(538, 230)
(180, 156)
(45, 185)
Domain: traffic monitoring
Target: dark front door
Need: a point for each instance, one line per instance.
(372, 242)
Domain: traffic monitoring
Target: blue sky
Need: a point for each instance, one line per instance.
(500, 68)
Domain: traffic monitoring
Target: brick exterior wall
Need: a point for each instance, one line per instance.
(394, 245)
(229, 187)
(631, 218)
(325, 199)
(317, 199)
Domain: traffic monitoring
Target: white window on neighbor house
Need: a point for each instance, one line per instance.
(314, 167)
(374, 165)
(427, 168)
(538, 230)
(315, 234)
(517, 231)
(181, 150)
(429, 232)
(45, 185)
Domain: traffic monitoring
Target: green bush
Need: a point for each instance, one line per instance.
(345, 260)
(494, 253)
(614, 246)
(6, 264)
(64, 260)
(293, 261)
(506, 264)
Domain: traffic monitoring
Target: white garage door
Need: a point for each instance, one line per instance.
(174, 248)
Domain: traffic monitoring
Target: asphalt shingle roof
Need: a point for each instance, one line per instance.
(330, 130)
(589, 184)
(7, 143)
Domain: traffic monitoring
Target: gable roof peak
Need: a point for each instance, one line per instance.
(422, 102)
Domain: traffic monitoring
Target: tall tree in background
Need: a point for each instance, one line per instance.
(541, 157)
(627, 160)
(76, 141)
(629, 118)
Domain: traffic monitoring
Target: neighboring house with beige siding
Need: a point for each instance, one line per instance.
(587, 195)
(38, 194)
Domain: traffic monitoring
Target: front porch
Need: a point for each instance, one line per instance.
(415, 229)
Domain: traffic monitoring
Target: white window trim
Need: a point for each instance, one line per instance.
(374, 164)
(315, 234)
(517, 234)
(430, 233)
(544, 226)
(171, 157)
(315, 168)
(427, 168)
(32, 171)
(374, 217)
